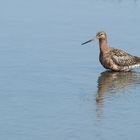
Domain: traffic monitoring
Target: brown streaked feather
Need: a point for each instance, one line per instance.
(122, 58)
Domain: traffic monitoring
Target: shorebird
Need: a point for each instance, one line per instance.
(114, 59)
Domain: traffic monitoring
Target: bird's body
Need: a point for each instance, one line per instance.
(115, 59)
(118, 60)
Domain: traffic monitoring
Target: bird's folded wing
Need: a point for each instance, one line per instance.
(122, 58)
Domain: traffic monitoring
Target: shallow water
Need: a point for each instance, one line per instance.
(51, 87)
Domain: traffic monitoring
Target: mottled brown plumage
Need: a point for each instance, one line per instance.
(114, 59)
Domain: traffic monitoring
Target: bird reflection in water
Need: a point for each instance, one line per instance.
(110, 82)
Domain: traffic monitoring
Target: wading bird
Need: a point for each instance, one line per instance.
(114, 59)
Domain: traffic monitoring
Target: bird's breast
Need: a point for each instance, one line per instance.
(105, 60)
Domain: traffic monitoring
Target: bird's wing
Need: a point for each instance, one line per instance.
(122, 58)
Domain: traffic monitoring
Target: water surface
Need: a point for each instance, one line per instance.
(51, 87)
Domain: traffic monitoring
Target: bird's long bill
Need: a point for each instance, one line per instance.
(88, 41)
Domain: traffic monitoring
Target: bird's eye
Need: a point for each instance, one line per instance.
(101, 34)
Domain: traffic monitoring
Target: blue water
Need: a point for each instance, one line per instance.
(51, 87)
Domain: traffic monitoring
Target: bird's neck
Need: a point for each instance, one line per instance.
(103, 45)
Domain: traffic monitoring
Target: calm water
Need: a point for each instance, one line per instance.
(51, 87)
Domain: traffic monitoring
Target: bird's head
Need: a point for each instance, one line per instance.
(101, 35)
